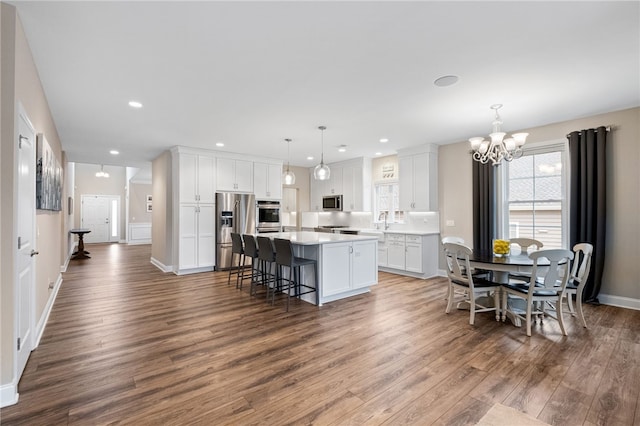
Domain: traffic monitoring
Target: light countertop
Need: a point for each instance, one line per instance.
(316, 238)
(391, 231)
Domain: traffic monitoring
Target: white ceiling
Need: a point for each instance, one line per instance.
(251, 74)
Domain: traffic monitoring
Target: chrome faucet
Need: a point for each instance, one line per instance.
(386, 225)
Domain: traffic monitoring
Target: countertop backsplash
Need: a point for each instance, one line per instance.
(414, 221)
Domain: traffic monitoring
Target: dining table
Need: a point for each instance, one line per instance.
(503, 266)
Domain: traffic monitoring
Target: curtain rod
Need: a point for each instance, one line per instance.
(607, 128)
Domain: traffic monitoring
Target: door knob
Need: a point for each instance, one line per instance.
(33, 253)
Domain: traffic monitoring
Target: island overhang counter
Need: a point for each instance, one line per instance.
(347, 264)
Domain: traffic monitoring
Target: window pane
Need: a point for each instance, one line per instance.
(535, 198)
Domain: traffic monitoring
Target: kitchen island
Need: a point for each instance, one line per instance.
(347, 264)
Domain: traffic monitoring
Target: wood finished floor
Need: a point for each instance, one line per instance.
(128, 344)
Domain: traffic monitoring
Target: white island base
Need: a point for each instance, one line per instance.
(347, 264)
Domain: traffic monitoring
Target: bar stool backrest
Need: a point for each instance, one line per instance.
(265, 249)
(284, 252)
(236, 243)
(250, 246)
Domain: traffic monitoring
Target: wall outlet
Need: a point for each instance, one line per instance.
(451, 223)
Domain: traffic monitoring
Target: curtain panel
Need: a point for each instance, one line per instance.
(484, 206)
(587, 211)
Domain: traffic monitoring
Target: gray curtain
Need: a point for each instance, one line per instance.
(587, 212)
(484, 206)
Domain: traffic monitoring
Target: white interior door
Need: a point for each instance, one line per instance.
(26, 241)
(100, 214)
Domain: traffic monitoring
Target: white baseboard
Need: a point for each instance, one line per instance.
(138, 242)
(619, 301)
(164, 268)
(42, 323)
(8, 394)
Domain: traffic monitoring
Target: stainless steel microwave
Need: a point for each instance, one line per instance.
(332, 203)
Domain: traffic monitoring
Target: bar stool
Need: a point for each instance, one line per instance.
(251, 251)
(267, 258)
(237, 249)
(285, 257)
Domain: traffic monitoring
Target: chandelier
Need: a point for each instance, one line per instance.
(321, 171)
(288, 177)
(102, 173)
(497, 148)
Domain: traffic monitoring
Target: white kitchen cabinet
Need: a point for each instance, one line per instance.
(364, 261)
(267, 181)
(418, 181)
(351, 179)
(382, 254)
(196, 237)
(196, 178)
(234, 175)
(395, 251)
(359, 258)
(289, 200)
(413, 254)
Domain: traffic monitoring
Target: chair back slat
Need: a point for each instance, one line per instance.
(458, 262)
(526, 243)
(581, 263)
(556, 273)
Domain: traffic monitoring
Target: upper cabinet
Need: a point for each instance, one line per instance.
(418, 178)
(196, 178)
(351, 179)
(234, 175)
(267, 181)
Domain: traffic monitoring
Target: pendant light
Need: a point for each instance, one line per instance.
(288, 177)
(321, 172)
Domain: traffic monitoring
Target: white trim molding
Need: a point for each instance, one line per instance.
(44, 318)
(619, 301)
(9, 394)
(164, 268)
(140, 233)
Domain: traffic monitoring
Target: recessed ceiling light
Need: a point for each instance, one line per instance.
(384, 140)
(114, 152)
(446, 80)
(309, 158)
(378, 153)
(219, 144)
(135, 104)
(342, 148)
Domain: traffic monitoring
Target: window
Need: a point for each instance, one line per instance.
(387, 202)
(534, 196)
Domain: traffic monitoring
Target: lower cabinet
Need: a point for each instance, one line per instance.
(348, 266)
(413, 255)
(196, 238)
(395, 251)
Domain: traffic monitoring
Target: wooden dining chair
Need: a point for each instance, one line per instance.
(466, 287)
(579, 274)
(550, 287)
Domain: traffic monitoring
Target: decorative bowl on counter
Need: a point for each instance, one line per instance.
(501, 248)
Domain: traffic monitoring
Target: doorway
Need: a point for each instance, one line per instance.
(100, 214)
(26, 247)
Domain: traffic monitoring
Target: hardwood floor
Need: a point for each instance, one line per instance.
(128, 344)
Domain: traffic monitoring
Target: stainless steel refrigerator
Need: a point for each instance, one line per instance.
(234, 213)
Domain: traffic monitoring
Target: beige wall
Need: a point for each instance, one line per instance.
(162, 217)
(87, 183)
(623, 180)
(384, 169)
(21, 83)
(138, 202)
